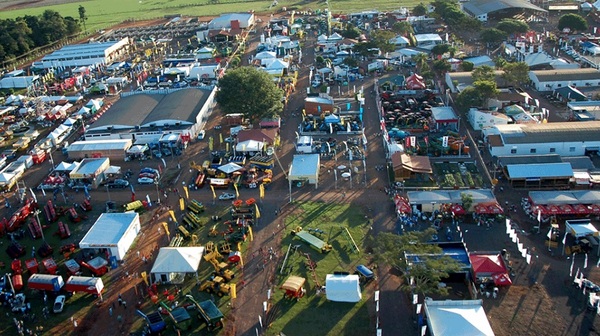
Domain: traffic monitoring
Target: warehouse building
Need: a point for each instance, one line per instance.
(76, 55)
(145, 117)
(562, 138)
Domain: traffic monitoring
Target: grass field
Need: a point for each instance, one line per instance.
(103, 14)
(313, 314)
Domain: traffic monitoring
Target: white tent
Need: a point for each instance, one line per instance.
(264, 55)
(113, 231)
(305, 167)
(70, 122)
(172, 263)
(66, 167)
(343, 288)
(457, 318)
(137, 149)
(581, 228)
(6, 178)
(229, 168)
(84, 110)
(250, 146)
(277, 64)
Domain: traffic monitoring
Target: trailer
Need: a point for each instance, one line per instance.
(90, 285)
(155, 322)
(98, 266)
(195, 206)
(209, 312)
(45, 282)
(312, 240)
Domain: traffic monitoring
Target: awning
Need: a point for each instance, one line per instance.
(567, 209)
(502, 279)
(581, 209)
(113, 170)
(488, 208)
(402, 205)
(230, 168)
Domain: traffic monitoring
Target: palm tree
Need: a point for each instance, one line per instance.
(420, 60)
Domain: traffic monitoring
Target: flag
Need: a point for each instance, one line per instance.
(445, 141)
(86, 192)
(250, 233)
(220, 138)
(539, 216)
(148, 199)
(585, 261)
(181, 204)
(187, 193)
(43, 192)
(33, 195)
(571, 268)
(413, 141)
(213, 191)
(528, 259)
(549, 235)
(407, 142)
(172, 213)
(210, 144)
(261, 190)
(166, 227)
(564, 241)
(426, 138)
(237, 192)
(257, 210)
(160, 169)
(164, 162)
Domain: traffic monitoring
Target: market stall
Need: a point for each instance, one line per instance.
(114, 232)
(173, 263)
(90, 172)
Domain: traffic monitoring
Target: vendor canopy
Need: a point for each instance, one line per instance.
(565, 197)
(581, 228)
(230, 168)
(342, 288)
(178, 260)
(439, 197)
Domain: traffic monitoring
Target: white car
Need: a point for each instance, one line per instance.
(226, 196)
(145, 180)
(201, 135)
(59, 304)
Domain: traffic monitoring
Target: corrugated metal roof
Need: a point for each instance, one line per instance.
(561, 75)
(539, 170)
(479, 7)
(550, 132)
(526, 159)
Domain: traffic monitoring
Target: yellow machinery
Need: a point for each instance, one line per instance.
(184, 232)
(219, 266)
(195, 206)
(213, 231)
(224, 247)
(192, 220)
(217, 285)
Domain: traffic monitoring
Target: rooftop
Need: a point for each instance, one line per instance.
(480, 7)
(561, 75)
(143, 109)
(550, 132)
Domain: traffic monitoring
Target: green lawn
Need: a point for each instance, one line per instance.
(313, 314)
(103, 14)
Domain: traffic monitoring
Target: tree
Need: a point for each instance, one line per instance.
(249, 91)
(420, 60)
(381, 39)
(351, 32)
(419, 10)
(466, 200)
(440, 49)
(403, 28)
(467, 66)
(487, 89)
(320, 59)
(426, 273)
(467, 98)
(500, 62)
(574, 22)
(516, 73)
(441, 66)
(351, 62)
(492, 35)
(512, 26)
(484, 73)
(82, 16)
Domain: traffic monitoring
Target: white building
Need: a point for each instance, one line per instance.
(232, 20)
(562, 138)
(549, 80)
(484, 119)
(427, 41)
(76, 55)
(113, 231)
(457, 317)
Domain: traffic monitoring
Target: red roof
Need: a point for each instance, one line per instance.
(487, 263)
(267, 135)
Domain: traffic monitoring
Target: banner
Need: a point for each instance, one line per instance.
(172, 213)
(166, 227)
(237, 193)
(187, 193)
(257, 210)
(221, 138)
(539, 216)
(445, 141)
(213, 191)
(261, 189)
(232, 290)
(413, 141)
(181, 204)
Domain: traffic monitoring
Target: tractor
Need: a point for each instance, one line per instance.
(215, 284)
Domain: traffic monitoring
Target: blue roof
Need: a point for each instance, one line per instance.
(456, 251)
(540, 170)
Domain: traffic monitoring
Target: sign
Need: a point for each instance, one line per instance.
(445, 141)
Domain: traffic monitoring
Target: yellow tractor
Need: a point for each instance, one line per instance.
(217, 285)
(220, 267)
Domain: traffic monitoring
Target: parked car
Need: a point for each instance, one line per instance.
(226, 196)
(166, 152)
(145, 180)
(149, 175)
(201, 135)
(149, 170)
(118, 183)
(59, 304)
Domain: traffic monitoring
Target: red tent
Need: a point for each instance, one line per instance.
(594, 208)
(567, 209)
(415, 82)
(482, 209)
(487, 264)
(457, 210)
(496, 208)
(502, 279)
(581, 209)
(402, 204)
(536, 208)
(553, 210)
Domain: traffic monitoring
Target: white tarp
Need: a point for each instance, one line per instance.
(66, 166)
(113, 231)
(250, 146)
(305, 167)
(457, 318)
(230, 168)
(173, 261)
(342, 288)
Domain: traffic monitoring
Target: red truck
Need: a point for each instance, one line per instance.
(46, 282)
